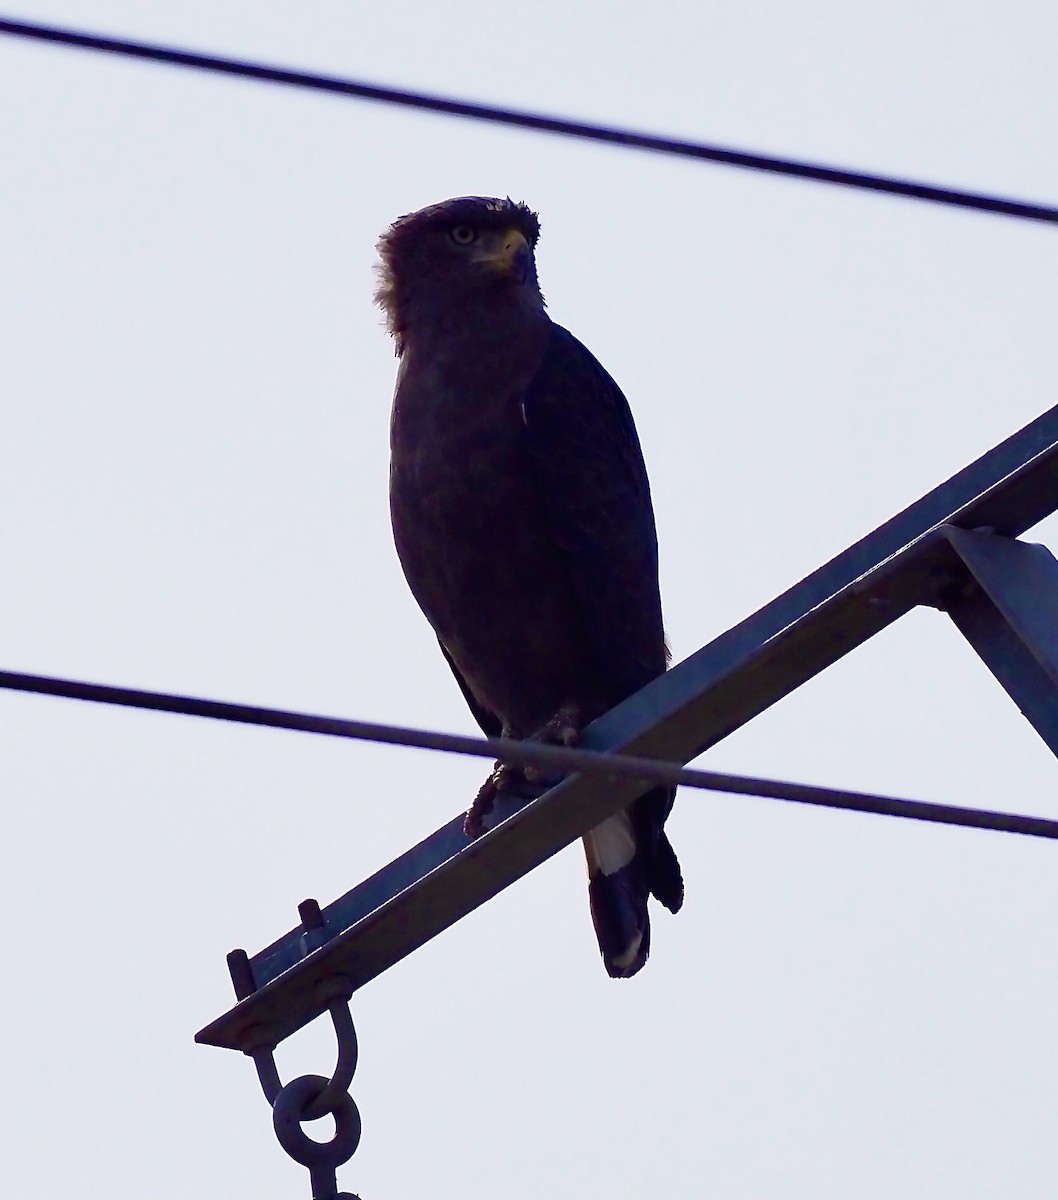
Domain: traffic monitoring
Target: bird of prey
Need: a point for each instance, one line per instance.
(522, 518)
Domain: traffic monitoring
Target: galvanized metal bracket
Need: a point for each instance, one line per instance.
(309, 1097)
(1007, 609)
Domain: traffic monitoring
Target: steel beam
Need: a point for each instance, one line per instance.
(907, 561)
(1008, 612)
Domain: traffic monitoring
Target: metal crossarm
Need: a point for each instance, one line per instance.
(1008, 612)
(927, 554)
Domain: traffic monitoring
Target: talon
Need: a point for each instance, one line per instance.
(474, 821)
(539, 775)
(506, 780)
(562, 730)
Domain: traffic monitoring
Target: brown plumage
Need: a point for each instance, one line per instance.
(522, 518)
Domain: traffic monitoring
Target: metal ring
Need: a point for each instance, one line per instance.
(342, 1076)
(344, 1068)
(291, 1108)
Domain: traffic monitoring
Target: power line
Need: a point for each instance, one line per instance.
(540, 123)
(534, 754)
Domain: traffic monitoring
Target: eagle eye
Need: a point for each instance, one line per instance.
(463, 235)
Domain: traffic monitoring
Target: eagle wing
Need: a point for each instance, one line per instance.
(585, 452)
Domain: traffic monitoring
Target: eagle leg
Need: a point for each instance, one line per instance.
(505, 780)
(563, 729)
(474, 821)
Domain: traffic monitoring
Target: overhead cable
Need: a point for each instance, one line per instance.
(540, 123)
(539, 755)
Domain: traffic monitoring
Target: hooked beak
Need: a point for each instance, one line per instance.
(511, 255)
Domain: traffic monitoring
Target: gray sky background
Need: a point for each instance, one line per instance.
(193, 477)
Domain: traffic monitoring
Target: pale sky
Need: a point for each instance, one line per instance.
(196, 389)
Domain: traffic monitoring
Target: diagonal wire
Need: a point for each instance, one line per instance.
(535, 754)
(540, 123)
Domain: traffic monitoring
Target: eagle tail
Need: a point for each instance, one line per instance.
(622, 874)
(666, 879)
(619, 914)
